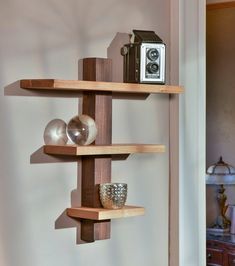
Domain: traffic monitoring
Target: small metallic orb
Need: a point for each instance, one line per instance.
(113, 195)
(82, 130)
(55, 133)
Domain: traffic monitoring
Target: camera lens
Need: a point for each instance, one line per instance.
(153, 54)
(152, 68)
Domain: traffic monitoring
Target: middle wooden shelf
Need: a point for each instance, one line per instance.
(74, 150)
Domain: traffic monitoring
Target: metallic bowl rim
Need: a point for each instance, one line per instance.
(110, 184)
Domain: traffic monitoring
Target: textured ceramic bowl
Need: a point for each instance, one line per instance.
(55, 133)
(82, 130)
(113, 195)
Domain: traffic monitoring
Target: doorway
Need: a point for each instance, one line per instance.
(220, 110)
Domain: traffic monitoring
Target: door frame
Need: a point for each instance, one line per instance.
(188, 28)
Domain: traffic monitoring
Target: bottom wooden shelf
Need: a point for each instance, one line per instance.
(104, 214)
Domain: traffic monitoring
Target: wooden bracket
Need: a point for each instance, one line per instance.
(96, 170)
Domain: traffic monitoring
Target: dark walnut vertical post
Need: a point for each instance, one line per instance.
(96, 170)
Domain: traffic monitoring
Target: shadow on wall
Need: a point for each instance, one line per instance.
(45, 27)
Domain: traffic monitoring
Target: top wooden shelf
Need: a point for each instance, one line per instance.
(80, 86)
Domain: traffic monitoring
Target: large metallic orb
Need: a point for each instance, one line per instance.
(55, 133)
(82, 130)
(113, 195)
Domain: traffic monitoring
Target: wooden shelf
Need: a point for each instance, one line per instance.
(95, 166)
(103, 149)
(80, 86)
(104, 214)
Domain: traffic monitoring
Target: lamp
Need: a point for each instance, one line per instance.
(221, 174)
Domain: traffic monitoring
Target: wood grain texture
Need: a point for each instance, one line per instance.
(85, 85)
(112, 149)
(97, 69)
(92, 230)
(95, 170)
(220, 252)
(105, 214)
(14, 89)
(229, 4)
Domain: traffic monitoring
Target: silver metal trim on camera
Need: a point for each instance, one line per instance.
(157, 62)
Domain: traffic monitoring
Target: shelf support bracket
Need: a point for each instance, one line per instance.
(96, 170)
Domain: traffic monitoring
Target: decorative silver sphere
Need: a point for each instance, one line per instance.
(55, 133)
(82, 130)
(113, 195)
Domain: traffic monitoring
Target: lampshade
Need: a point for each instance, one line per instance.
(220, 173)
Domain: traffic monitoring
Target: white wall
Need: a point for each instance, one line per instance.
(44, 39)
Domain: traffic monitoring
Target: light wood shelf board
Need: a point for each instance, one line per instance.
(81, 85)
(15, 89)
(104, 214)
(103, 149)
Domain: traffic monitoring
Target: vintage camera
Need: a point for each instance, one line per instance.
(144, 58)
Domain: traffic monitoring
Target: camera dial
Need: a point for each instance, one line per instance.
(152, 68)
(153, 54)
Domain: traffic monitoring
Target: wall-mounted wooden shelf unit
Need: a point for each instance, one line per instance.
(96, 160)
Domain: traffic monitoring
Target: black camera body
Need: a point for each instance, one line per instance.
(144, 59)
